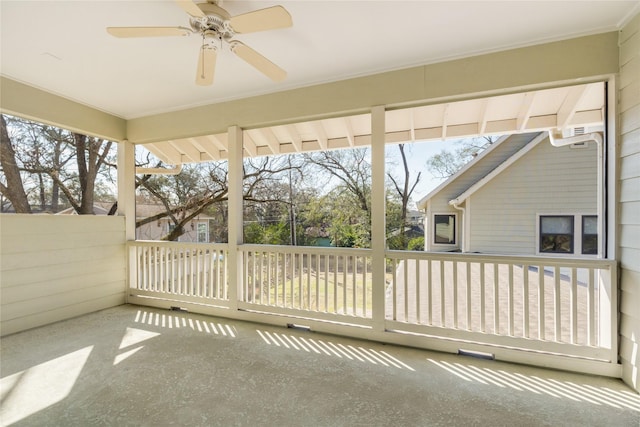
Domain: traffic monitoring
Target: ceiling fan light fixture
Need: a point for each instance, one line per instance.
(216, 26)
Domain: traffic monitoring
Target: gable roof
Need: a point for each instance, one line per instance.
(494, 158)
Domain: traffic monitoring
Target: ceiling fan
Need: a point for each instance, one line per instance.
(217, 28)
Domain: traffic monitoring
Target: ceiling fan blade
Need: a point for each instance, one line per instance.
(206, 66)
(148, 31)
(258, 61)
(191, 8)
(270, 18)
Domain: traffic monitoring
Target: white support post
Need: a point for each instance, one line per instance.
(127, 205)
(378, 228)
(235, 216)
(127, 187)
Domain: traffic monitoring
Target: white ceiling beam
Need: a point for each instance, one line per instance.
(215, 139)
(169, 152)
(270, 139)
(249, 145)
(294, 136)
(321, 135)
(349, 131)
(445, 115)
(484, 116)
(525, 110)
(206, 147)
(568, 108)
(187, 150)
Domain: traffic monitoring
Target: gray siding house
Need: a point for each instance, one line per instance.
(521, 196)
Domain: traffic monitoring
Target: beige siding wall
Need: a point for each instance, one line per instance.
(546, 180)
(629, 230)
(56, 267)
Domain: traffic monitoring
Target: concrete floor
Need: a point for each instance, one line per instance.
(139, 366)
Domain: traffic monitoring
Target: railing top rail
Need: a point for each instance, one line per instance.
(315, 250)
(504, 259)
(163, 243)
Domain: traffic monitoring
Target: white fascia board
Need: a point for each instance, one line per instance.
(504, 165)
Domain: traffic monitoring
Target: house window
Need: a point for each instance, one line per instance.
(203, 232)
(556, 234)
(444, 229)
(590, 235)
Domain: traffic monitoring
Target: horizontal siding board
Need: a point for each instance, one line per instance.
(67, 271)
(629, 352)
(630, 143)
(65, 299)
(630, 190)
(632, 27)
(630, 213)
(20, 224)
(51, 287)
(630, 47)
(63, 256)
(13, 244)
(630, 96)
(630, 282)
(629, 258)
(629, 72)
(631, 237)
(60, 313)
(630, 119)
(630, 305)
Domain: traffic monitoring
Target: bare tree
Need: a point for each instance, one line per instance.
(14, 189)
(448, 162)
(404, 189)
(46, 153)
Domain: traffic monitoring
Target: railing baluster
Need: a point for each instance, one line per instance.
(542, 334)
(442, 294)
(574, 305)
(496, 298)
(525, 300)
(468, 289)
(405, 280)
(455, 294)
(591, 322)
(482, 299)
(511, 310)
(417, 272)
(557, 304)
(430, 306)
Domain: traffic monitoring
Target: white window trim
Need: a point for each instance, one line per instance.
(206, 224)
(456, 233)
(577, 235)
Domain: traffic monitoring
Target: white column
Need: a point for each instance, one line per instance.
(378, 220)
(127, 187)
(127, 206)
(235, 215)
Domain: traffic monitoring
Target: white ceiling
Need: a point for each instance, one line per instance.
(62, 46)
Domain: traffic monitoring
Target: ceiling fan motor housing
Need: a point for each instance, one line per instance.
(216, 21)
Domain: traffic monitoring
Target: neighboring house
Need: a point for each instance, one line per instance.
(196, 230)
(521, 195)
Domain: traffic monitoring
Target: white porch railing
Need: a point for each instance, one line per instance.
(556, 306)
(192, 272)
(329, 282)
